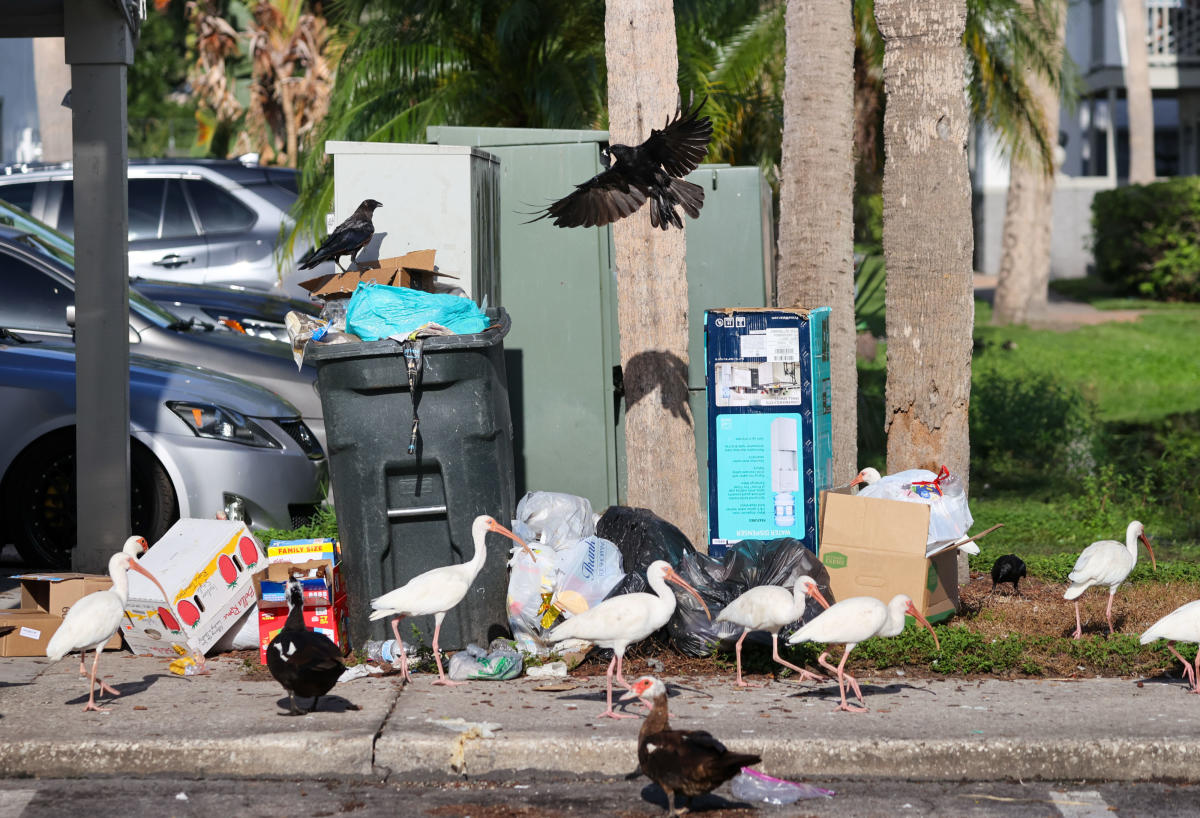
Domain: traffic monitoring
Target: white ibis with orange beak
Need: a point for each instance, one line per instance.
(437, 591)
(622, 620)
(1180, 625)
(851, 621)
(1106, 562)
(870, 476)
(134, 546)
(93, 620)
(769, 608)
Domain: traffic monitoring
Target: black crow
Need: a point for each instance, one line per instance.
(1009, 568)
(650, 170)
(304, 662)
(346, 239)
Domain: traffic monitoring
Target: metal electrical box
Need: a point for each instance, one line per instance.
(563, 352)
(439, 197)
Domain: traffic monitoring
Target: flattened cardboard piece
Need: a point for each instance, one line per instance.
(876, 547)
(415, 270)
(56, 592)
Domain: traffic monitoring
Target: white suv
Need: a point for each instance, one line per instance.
(202, 221)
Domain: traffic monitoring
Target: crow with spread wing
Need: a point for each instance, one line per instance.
(347, 239)
(649, 171)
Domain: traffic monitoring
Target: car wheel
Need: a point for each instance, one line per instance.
(40, 500)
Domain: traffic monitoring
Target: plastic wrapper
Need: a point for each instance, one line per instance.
(477, 663)
(530, 585)
(556, 518)
(755, 787)
(643, 537)
(379, 311)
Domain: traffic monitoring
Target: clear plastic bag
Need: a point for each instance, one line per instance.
(530, 584)
(755, 787)
(590, 567)
(949, 515)
(556, 518)
(477, 663)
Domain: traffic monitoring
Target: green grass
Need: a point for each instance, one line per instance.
(1103, 296)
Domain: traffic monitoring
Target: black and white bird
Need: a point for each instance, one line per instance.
(304, 662)
(347, 239)
(649, 171)
(1009, 568)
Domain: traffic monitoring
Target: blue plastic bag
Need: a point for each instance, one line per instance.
(380, 311)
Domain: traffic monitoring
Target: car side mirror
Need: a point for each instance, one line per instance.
(71, 316)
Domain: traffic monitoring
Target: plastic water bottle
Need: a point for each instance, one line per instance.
(386, 651)
(751, 785)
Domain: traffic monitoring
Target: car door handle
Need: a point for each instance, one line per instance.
(173, 260)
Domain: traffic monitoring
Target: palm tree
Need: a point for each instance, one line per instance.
(651, 270)
(927, 238)
(514, 63)
(816, 209)
(1138, 98)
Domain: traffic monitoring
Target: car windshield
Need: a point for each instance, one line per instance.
(41, 237)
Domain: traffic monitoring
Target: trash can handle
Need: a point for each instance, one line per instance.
(418, 511)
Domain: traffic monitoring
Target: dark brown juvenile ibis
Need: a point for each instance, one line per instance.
(687, 762)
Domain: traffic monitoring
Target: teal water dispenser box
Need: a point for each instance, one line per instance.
(770, 448)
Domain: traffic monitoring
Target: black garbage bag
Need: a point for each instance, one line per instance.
(643, 537)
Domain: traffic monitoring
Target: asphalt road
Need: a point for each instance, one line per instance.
(143, 798)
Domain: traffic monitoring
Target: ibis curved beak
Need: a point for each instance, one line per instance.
(499, 529)
(915, 614)
(815, 592)
(1146, 542)
(134, 565)
(671, 576)
(858, 478)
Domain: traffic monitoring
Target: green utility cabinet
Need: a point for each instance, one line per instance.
(563, 351)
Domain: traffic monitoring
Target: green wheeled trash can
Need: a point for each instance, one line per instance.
(400, 513)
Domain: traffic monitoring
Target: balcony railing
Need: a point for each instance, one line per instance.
(1173, 32)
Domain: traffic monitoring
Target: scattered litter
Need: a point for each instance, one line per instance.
(751, 785)
(550, 670)
(560, 687)
(656, 665)
(482, 729)
(477, 663)
(181, 796)
(359, 671)
(140, 707)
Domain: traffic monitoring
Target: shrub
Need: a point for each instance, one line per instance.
(1146, 238)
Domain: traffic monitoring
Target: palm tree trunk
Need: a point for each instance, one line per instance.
(1021, 288)
(927, 238)
(816, 208)
(652, 296)
(1139, 99)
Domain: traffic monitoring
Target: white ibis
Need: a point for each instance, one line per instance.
(93, 620)
(437, 591)
(303, 661)
(688, 762)
(769, 608)
(134, 546)
(1180, 625)
(870, 476)
(622, 620)
(1106, 562)
(851, 621)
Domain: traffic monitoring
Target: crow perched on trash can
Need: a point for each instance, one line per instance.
(346, 239)
(1009, 568)
(646, 171)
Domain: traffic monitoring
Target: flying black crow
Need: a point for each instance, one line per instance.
(346, 239)
(650, 170)
(1009, 568)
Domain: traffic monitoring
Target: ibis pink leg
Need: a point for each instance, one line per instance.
(400, 646)
(1108, 610)
(1188, 673)
(91, 705)
(804, 674)
(1078, 624)
(738, 652)
(610, 713)
(442, 679)
(842, 676)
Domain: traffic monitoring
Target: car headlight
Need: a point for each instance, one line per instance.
(219, 423)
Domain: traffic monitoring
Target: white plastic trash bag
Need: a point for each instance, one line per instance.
(590, 567)
(949, 516)
(529, 584)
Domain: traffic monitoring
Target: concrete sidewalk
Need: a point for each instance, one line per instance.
(221, 725)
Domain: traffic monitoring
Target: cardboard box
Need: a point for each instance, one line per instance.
(414, 270)
(207, 568)
(876, 547)
(50, 596)
(31, 632)
(325, 609)
(770, 448)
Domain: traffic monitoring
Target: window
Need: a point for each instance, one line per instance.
(20, 195)
(145, 208)
(219, 212)
(177, 218)
(35, 300)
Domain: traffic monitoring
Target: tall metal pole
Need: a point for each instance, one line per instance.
(99, 47)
